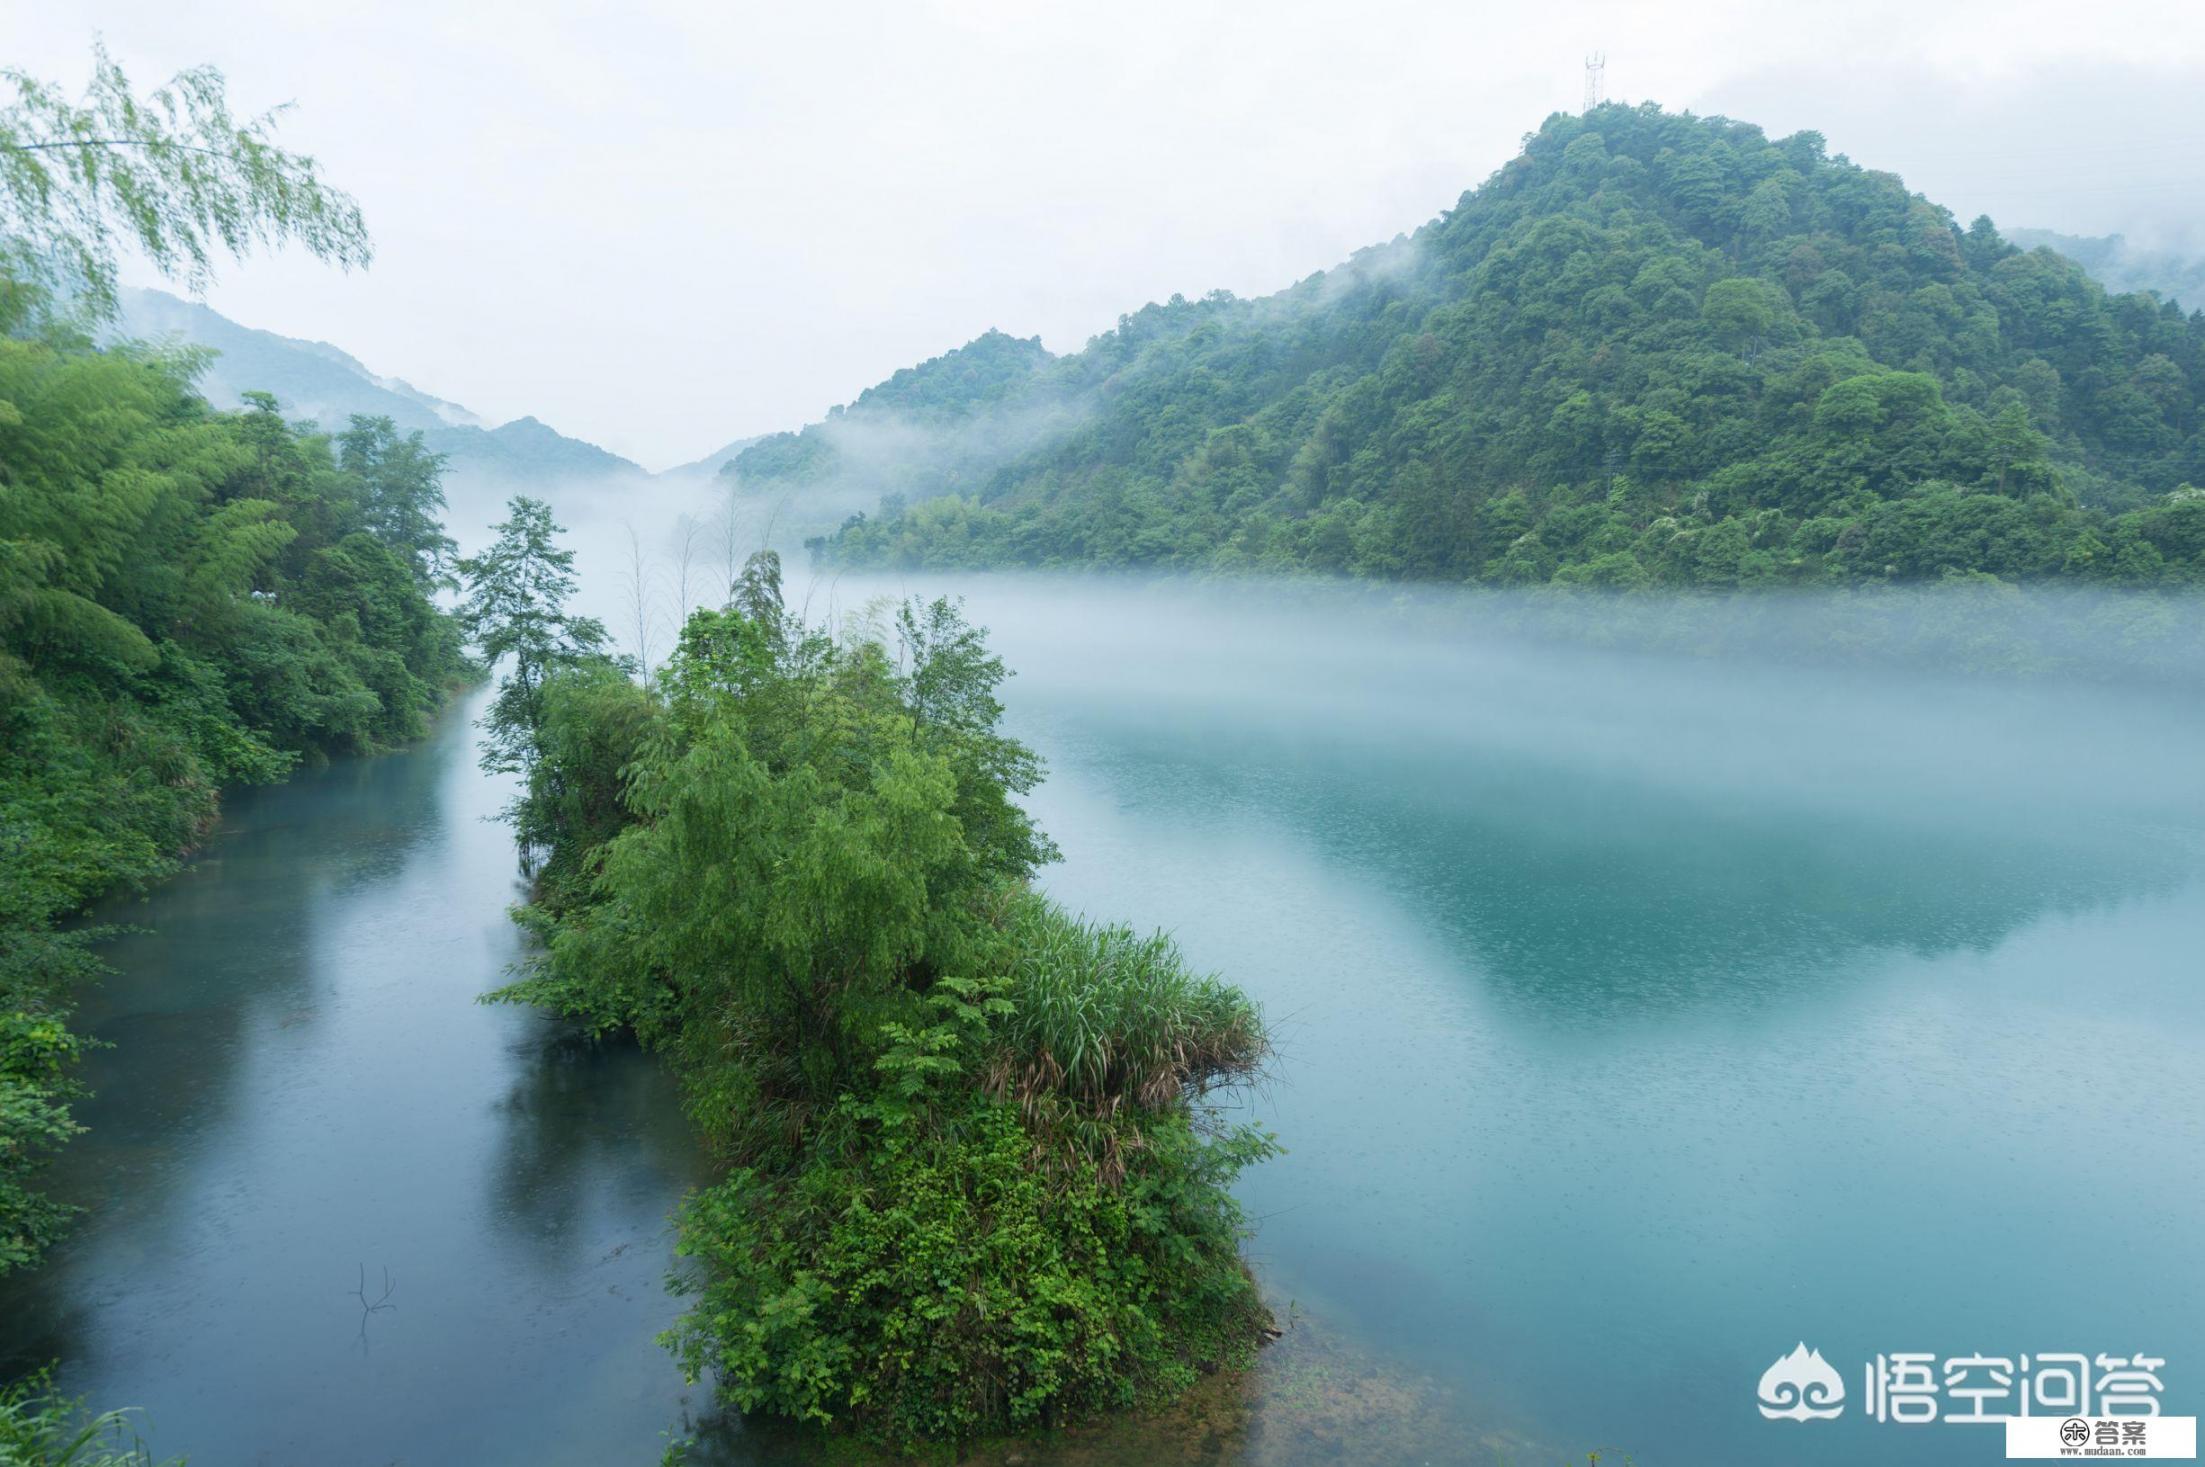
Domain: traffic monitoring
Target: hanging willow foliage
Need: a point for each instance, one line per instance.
(173, 173)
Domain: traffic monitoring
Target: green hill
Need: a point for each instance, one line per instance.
(1651, 349)
(929, 429)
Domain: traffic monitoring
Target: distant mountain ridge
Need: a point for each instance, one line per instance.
(2120, 266)
(312, 379)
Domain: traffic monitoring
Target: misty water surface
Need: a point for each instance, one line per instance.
(1639, 1016)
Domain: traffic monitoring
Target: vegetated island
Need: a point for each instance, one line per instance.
(972, 1184)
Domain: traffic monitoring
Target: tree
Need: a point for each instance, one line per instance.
(1741, 311)
(516, 606)
(401, 492)
(174, 172)
(1768, 212)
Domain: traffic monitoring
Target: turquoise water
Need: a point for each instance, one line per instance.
(1639, 1017)
(302, 1091)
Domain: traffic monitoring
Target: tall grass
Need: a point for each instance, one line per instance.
(41, 1428)
(1107, 1018)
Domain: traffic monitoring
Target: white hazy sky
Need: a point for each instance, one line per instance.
(661, 226)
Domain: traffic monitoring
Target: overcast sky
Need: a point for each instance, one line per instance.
(661, 226)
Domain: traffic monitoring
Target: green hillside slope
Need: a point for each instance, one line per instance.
(930, 429)
(1651, 349)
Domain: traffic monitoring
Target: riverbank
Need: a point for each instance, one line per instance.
(301, 1085)
(190, 601)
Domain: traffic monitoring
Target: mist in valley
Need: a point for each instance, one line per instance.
(1629, 956)
(1899, 769)
(1433, 862)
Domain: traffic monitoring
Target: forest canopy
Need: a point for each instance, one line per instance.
(1654, 349)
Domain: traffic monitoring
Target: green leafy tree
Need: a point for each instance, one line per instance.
(516, 611)
(401, 494)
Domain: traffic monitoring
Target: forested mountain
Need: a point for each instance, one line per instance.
(312, 379)
(527, 451)
(189, 600)
(929, 429)
(2120, 266)
(1653, 348)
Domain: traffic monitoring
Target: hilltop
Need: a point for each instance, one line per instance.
(929, 429)
(1653, 348)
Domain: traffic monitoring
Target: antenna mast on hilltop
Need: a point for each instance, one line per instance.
(1595, 63)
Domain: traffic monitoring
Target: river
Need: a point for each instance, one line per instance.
(1639, 1017)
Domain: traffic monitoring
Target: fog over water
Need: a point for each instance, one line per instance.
(1662, 982)
(1657, 984)
(1643, 1012)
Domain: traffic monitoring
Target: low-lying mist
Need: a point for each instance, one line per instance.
(1913, 701)
(1914, 704)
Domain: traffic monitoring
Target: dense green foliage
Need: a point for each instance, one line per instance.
(972, 1186)
(188, 600)
(515, 612)
(1652, 349)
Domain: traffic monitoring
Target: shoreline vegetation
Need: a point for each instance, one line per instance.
(1316, 1394)
(190, 601)
(974, 1183)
